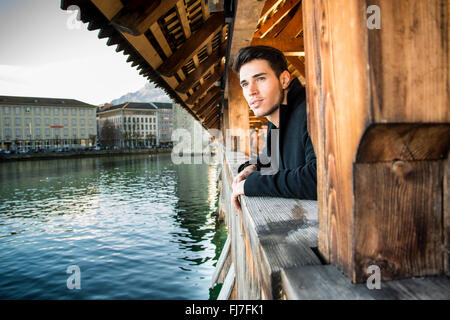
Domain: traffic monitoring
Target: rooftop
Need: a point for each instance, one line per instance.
(37, 101)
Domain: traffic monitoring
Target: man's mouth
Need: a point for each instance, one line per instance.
(256, 103)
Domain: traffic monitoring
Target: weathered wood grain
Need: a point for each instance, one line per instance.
(134, 17)
(225, 292)
(326, 282)
(362, 79)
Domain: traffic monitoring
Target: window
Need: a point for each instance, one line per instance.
(82, 132)
(66, 131)
(18, 133)
(56, 111)
(65, 111)
(28, 131)
(38, 121)
(82, 122)
(56, 121)
(65, 122)
(74, 122)
(47, 121)
(6, 110)
(47, 111)
(38, 132)
(27, 109)
(37, 111)
(74, 131)
(27, 121)
(18, 122)
(17, 110)
(47, 132)
(6, 121)
(91, 131)
(90, 122)
(7, 132)
(81, 112)
(74, 111)
(56, 131)
(90, 112)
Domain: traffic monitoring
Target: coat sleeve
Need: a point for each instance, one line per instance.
(297, 183)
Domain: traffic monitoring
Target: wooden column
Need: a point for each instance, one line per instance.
(237, 115)
(379, 118)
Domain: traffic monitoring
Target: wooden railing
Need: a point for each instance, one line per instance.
(271, 253)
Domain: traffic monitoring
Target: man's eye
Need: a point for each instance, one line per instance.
(261, 78)
(243, 85)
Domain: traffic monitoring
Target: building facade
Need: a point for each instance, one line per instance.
(165, 122)
(135, 125)
(30, 123)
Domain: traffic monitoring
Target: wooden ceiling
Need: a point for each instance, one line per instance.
(181, 46)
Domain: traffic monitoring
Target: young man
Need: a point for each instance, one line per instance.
(270, 92)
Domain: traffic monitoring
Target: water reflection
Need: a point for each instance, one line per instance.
(139, 227)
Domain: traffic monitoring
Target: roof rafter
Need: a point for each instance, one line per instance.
(137, 16)
(206, 85)
(278, 16)
(194, 44)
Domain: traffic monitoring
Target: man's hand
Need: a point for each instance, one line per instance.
(238, 189)
(238, 185)
(244, 174)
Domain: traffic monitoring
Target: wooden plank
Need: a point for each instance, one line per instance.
(446, 214)
(294, 26)
(197, 41)
(269, 6)
(210, 95)
(225, 292)
(206, 85)
(200, 72)
(289, 46)
(404, 89)
(277, 17)
(326, 282)
(221, 262)
(181, 9)
(399, 219)
(138, 16)
(298, 65)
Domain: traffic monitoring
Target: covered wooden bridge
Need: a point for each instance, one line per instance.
(377, 74)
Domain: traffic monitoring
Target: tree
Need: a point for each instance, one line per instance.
(109, 134)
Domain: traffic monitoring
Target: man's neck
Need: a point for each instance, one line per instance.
(275, 116)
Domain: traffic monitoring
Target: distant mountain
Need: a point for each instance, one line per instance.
(147, 94)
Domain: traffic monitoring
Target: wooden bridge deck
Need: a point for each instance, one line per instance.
(273, 253)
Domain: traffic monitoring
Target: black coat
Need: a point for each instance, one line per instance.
(296, 176)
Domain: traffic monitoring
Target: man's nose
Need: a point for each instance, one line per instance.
(253, 88)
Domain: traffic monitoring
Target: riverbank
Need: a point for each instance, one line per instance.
(79, 154)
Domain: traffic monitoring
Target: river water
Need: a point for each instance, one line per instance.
(135, 227)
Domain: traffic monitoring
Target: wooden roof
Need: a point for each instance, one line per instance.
(184, 48)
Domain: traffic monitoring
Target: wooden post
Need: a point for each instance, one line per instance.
(379, 118)
(238, 114)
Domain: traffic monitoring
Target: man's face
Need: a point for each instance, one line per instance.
(261, 87)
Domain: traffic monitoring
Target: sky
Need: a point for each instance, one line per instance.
(46, 52)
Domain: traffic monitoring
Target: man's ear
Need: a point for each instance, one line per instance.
(285, 79)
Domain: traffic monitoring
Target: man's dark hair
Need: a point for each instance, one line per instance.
(274, 57)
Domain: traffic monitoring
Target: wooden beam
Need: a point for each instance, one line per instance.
(197, 41)
(211, 93)
(206, 85)
(203, 68)
(211, 108)
(278, 16)
(298, 65)
(183, 18)
(137, 16)
(209, 103)
(213, 118)
(289, 46)
(269, 5)
(294, 26)
(380, 186)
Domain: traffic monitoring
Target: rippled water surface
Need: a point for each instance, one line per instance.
(138, 227)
